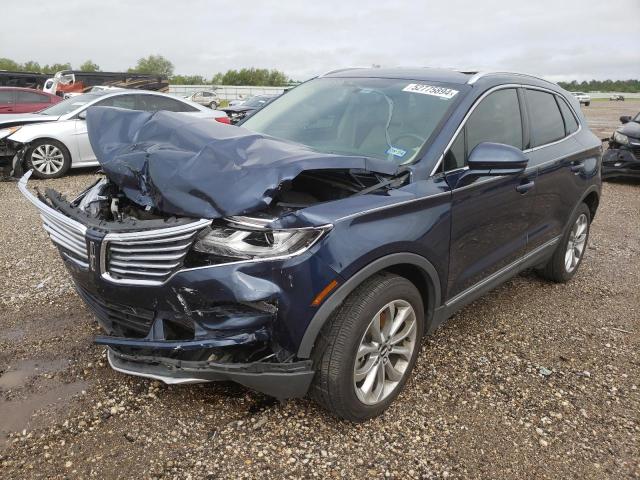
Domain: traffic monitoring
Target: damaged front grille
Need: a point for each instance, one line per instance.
(147, 257)
(66, 234)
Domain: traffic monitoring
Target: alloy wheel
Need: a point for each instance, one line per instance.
(47, 159)
(576, 243)
(385, 352)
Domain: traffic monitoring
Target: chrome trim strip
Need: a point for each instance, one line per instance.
(480, 75)
(479, 99)
(162, 378)
(502, 271)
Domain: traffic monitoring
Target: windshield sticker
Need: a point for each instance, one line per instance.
(442, 92)
(396, 152)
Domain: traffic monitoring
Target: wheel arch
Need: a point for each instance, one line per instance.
(415, 268)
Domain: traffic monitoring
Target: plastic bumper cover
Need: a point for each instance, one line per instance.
(279, 380)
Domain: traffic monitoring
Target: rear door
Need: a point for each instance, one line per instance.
(489, 216)
(7, 101)
(564, 168)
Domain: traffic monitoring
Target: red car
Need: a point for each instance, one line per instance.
(25, 100)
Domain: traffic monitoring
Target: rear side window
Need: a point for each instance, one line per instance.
(31, 97)
(546, 121)
(119, 101)
(496, 119)
(570, 122)
(153, 103)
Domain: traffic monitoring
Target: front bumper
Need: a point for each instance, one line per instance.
(279, 380)
(621, 162)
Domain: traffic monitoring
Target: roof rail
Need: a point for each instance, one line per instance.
(341, 70)
(480, 75)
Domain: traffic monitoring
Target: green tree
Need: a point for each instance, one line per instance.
(188, 80)
(251, 76)
(89, 66)
(8, 64)
(56, 67)
(155, 64)
(31, 66)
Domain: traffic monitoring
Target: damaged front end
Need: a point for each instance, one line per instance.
(167, 317)
(622, 158)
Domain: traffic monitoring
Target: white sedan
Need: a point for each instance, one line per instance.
(58, 140)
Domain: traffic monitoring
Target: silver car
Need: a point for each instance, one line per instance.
(55, 139)
(206, 98)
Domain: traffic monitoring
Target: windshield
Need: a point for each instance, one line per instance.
(389, 119)
(69, 105)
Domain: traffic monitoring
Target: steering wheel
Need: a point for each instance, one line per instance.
(409, 135)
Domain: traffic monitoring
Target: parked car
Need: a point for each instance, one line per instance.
(207, 98)
(582, 97)
(310, 249)
(250, 105)
(617, 97)
(55, 139)
(238, 101)
(622, 158)
(24, 100)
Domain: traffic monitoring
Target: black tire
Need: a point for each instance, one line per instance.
(555, 269)
(334, 355)
(39, 171)
(213, 105)
(587, 104)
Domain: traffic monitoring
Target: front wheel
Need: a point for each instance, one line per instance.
(587, 104)
(569, 254)
(48, 159)
(367, 350)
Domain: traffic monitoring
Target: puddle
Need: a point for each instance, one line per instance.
(14, 335)
(16, 415)
(18, 374)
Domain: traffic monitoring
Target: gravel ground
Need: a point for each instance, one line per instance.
(535, 380)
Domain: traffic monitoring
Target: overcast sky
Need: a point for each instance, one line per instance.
(557, 39)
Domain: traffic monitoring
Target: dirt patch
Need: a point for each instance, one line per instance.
(534, 380)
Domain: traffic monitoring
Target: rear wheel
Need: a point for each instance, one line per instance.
(213, 105)
(48, 159)
(367, 350)
(567, 258)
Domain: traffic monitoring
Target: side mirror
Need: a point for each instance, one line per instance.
(493, 159)
(82, 115)
(625, 119)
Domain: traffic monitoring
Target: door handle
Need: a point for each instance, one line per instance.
(577, 167)
(525, 187)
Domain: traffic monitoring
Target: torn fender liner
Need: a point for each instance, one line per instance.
(199, 167)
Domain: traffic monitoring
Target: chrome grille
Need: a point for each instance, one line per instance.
(64, 232)
(147, 257)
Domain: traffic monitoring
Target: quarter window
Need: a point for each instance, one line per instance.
(546, 121)
(570, 122)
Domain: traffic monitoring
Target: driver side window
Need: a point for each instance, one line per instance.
(496, 119)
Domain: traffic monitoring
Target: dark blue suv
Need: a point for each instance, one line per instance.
(309, 249)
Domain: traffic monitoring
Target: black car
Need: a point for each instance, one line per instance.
(308, 250)
(622, 158)
(239, 112)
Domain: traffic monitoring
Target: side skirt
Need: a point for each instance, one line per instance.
(531, 259)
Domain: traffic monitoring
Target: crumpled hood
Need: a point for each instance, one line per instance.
(631, 129)
(198, 167)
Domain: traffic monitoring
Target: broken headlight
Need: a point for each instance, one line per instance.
(620, 138)
(233, 242)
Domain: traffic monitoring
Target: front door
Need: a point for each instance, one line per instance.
(490, 216)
